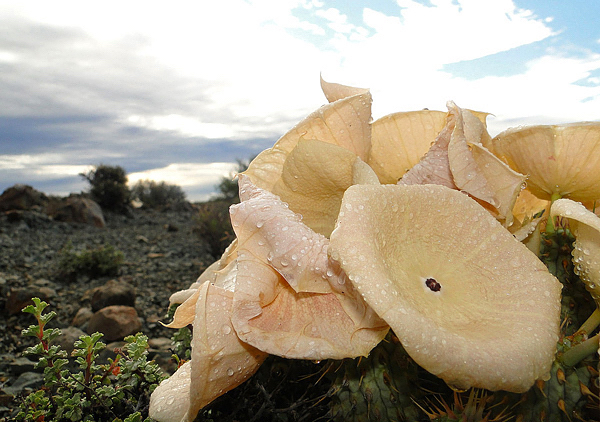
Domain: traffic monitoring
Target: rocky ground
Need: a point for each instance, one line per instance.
(163, 254)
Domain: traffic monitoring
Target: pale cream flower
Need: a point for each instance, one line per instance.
(560, 160)
(469, 302)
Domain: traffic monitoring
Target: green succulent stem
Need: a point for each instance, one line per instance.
(577, 353)
(591, 323)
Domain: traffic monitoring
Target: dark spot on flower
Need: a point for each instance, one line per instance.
(433, 285)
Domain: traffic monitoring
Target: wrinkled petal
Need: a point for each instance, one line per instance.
(186, 311)
(170, 401)
(458, 160)
(400, 140)
(334, 92)
(465, 171)
(434, 167)
(314, 178)
(290, 298)
(219, 363)
(469, 302)
(505, 183)
(220, 273)
(586, 250)
(345, 123)
(559, 159)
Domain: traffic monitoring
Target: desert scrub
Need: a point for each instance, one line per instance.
(157, 195)
(117, 391)
(102, 261)
(214, 226)
(109, 187)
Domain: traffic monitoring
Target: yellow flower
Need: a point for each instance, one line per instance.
(285, 288)
(560, 160)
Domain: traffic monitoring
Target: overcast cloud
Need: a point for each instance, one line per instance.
(179, 92)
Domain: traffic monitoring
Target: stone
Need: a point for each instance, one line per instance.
(19, 298)
(77, 209)
(115, 322)
(22, 197)
(114, 292)
(160, 343)
(68, 338)
(82, 316)
(26, 381)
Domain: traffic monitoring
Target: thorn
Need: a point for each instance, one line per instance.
(560, 375)
(586, 391)
(562, 406)
(540, 385)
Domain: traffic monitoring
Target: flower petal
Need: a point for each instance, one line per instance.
(469, 302)
(220, 361)
(345, 123)
(560, 159)
(586, 253)
(400, 140)
(334, 92)
(313, 180)
(434, 167)
(170, 401)
(290, 298)
(270, 315)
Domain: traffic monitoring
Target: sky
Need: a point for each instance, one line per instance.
(179, 92)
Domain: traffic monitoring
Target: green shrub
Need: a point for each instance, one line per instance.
(157, 195)
(109, 187)
(117, 391)
(214, 225)
(102, 261)
(228, 187)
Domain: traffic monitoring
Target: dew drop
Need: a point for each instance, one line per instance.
(226, 329)
(230, 372)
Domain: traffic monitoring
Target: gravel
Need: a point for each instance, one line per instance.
(163, 254)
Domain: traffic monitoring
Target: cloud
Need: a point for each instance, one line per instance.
(202, 82)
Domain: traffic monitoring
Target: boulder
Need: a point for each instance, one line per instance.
(77, 209)
(19, 298)
(115, 322)
(67, 339)
(82, 316)
(113, 293)
(22, 197)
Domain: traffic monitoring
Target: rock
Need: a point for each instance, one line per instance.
(30, 218)
(162, 343)
(19, 298)
(26, 381)
(113, 293)
(68, 338)
(22, 197)
(77, 209)
(115, 322)
(82, 316)
(21, 365)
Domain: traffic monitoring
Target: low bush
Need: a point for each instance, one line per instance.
(157, 195)
(109, 187)
(118, 391)
(102, 261)
(214, 225)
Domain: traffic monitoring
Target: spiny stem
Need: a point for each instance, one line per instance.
(574, 355)
(550, 229)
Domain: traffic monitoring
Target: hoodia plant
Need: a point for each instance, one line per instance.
(388, 248)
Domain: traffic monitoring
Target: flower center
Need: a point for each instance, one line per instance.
(433, 285)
